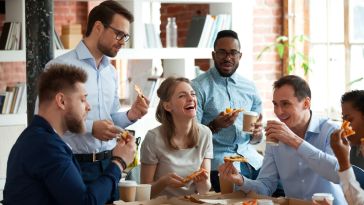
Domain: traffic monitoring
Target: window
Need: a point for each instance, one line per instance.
(337, 47)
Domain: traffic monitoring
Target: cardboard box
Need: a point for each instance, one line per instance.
(70, 41)
(71, 29)
(235, 198)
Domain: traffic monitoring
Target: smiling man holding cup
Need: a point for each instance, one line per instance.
(303, 161)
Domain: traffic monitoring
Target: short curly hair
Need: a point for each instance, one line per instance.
(356, 98)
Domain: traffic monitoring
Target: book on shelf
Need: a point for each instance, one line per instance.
(57, 41)
(11, 36)
(12, 98)
(4, 35)
(195, 30)
(203, 30)
(152, 39)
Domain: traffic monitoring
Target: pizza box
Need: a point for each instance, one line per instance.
(211, 198)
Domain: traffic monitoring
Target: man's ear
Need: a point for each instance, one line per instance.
(307, 103)
(60, 101)
(167, 106)
(98, 27)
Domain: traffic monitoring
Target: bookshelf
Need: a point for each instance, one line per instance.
(11, 125)
(15, 12)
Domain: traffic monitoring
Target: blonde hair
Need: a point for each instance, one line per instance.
(165, 92)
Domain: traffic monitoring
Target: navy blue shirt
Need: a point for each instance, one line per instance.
(42, 170)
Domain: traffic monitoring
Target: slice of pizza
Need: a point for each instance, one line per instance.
(193, 175)
(347, 129)
(250, 202)
(122, 135)
(230, 111)
(138, 90)
(236, 158)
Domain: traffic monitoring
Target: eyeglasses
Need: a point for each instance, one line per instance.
(119, 34)
(223, 54)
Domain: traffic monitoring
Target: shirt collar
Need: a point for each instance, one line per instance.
(83, 53)
(233, 78)
(313, 126)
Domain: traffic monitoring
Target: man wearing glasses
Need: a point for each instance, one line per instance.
(107, 32)
(220, 88)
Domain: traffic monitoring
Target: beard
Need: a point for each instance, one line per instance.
(106, 50)
(223, 74)
(74, 124)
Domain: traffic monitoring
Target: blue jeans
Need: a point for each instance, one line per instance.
(246, 170)
(91, 171)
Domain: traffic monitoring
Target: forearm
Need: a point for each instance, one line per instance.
(353, 193)
(203, 187)
(157, 187)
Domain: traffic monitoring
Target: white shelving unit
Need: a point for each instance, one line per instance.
(181, 60)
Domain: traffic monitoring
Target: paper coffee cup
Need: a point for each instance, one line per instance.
(249, 118)
(127, 190)
(322, 196)
(226, 187)
(265, 202)
(143, 192)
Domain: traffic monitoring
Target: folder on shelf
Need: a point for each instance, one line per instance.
(195, 31)
(4, 35)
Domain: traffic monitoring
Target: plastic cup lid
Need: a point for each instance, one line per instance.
(322, 196)
(250, 113)
(127, 183)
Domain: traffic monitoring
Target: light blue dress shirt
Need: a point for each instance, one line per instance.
(216, 93)
(304, 171)
(102, 88)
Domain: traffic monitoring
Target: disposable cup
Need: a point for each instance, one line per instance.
(127, 190)
(143, 192)
(249, 119)
(226, 187)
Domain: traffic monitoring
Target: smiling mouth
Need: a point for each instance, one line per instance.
(191, 107)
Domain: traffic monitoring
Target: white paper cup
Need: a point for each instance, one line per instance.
(322, 196)
(143, 192)
(127, 190)
(249, 118)
(265, 202)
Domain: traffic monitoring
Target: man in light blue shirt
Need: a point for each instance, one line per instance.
(303, 159)
(220, 88)
(107, 31)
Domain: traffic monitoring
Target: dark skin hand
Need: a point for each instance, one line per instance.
(224, 120)
(341, 147)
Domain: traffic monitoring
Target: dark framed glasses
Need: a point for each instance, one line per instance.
(223, 54)
(119, 35)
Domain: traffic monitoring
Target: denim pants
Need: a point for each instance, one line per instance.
(91, 171)
(246, 170)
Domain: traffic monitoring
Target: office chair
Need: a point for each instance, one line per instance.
(359, 175)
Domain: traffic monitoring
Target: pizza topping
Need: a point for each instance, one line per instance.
(236, 158)
(122, 135)
(230, 111)
(347, 129)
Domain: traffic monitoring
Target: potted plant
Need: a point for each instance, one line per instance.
(295, 56)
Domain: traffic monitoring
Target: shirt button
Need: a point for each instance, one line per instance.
(302, 180)
(300, 163)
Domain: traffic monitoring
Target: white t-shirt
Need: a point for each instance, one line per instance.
(183, 162)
